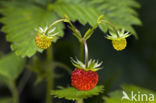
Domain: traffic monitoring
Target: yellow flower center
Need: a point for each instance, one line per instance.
(119, 44)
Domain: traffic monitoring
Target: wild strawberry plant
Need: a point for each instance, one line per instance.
(84, 77)
(33, 26)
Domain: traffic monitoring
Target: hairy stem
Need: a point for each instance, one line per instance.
(49, 75)
(76, 32)
(57, 21)
(86, 53)
(14, 91)
(109, 23)
(79, 101)
(81, 51)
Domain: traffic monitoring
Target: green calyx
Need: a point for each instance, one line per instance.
(93, 65)
(45, 36)
(122, 35)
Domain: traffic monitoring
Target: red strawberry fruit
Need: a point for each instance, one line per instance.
(82, 78)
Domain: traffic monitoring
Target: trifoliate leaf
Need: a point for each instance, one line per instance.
(20, 20)
(74, 94)
(10, 67)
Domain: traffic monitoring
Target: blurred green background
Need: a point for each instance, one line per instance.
(134, 65)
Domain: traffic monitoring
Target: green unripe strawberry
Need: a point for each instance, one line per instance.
(119, 41)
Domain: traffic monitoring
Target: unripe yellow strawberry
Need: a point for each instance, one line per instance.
(119, 44)
(43, 41)
(118, 40)
(44, 37)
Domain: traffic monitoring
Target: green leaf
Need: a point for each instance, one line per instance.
(116, 96)
(120, 12)
(10, 67)
(84, 14)
(20, 25)
(74, 94)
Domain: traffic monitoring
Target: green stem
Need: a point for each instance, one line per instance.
(95, 26)
(49, 54)
(57, 21)
(49, 75)
(14, 91)
(75, 30)
(86, 52)
(80, 101)
(81, 51)
(113, 27)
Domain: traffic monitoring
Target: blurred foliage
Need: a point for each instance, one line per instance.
(5, 100)
(40, 68)
(10, 68)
